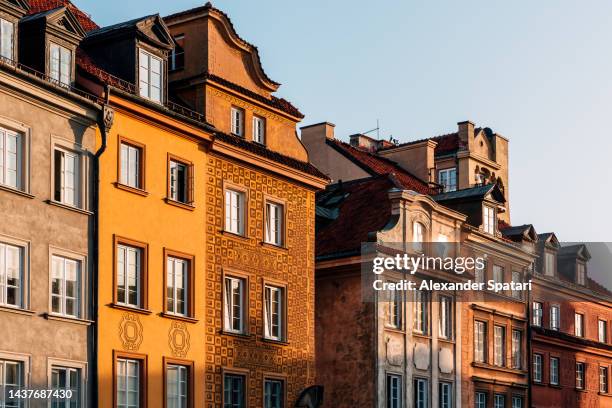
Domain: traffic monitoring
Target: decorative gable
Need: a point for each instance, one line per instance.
(64, 20)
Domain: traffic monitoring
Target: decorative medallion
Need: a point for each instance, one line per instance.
(178, 339)
(130, 331)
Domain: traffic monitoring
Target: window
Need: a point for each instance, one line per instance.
(421, 393)
(7, 32)
(418, 232)
(537, 314)
(498, 274)
(394, 391)
(480, 400)
(603, 380)
(235, 211)
(516, 278)
(446, 317)
(180, 181)
(554, 370)
(274, 304)
(235, 300)
(65, 284)
(537, 367)
(177, 386)
(274, 394)
(237, 121)
(395, 309)
(601, 331)
(274, 223)
(517, 402)
(499, 401)
(178, 285)
(448, 179)
(66, 379)
(555, 317)
(131, 274)
(549, 264)
(132, 165)
(61, 64)
(11, 159)
(479, 273)
(517, 347)
(488, 222)
(129, 383)
(11, 275)
(480, 341)
(446, 395)
(234, 391)
(150, 76)
(499, 346)
(421, 312)
(581, 274)
(66, 177)
(579, 324)
(580, 376)
(11, 378)
(177, 56)
(259, 130)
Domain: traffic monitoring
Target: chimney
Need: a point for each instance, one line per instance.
(466, 133)
(417, 158)
(364, 142)
(318, 131)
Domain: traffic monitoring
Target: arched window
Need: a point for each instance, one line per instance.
(418, 234)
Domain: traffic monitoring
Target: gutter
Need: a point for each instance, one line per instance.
(104, 122)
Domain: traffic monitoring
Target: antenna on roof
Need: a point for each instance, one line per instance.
(376, 129)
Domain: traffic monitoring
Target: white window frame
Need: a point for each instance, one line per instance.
(418, 236)
(176, 181)
(499, 345)
(242, 392)
(517, 278)
(446, 394)
(554, 370)
(171, 285)
(445, 178)
(275, 223)
(128, 380)
(555, 317)
(274, 306)
(235, 211)
(231, 308)
(177, 400)
(602, 331)
(488, 219)
(517, 349)
(480, 273)
(64, 262)
(76, 177)
(138, 254)
(394, 308)
(480, 341)
(537, 367)
(7, 245)
(60, 75)
(421, 393)
(421, 312)
(580, 375)
(259, 129)
(446, 317)
(579, 324)
(549, 263)
(603, 380)
(394, 391)
(7, 156)
(537, 313)
(498, 273)
(270, 386)
(581, 274)
(69, 386)
(80, 366)
(131, 165)
(480, 399)
(23, 369)
(146, 85)
(517, 402)
(237, 121)
(499, 401)
(4, 52)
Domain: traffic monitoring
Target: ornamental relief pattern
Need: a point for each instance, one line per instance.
(211, 92)
(179, 339)
(130, 331)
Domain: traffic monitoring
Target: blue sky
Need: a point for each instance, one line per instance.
(539, 73)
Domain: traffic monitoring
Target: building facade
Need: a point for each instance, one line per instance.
(47, 148)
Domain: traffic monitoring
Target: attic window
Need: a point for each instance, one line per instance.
(7, 32)
(488, 219)
(177, 57)
(150, 76)
(60, 68)
(448, 179)
(581, 274)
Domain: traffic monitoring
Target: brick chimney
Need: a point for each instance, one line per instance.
(364, 142)
(466, 134)
(417, 158)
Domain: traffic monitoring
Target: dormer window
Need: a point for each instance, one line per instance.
(61, 64)
(7, 33)
(549, 264)
(177, 55)
(150, 76)
(448, 179)
(488, 219)
(581, 274)
(237, 121)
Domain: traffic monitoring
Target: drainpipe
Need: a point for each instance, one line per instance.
(105, 120)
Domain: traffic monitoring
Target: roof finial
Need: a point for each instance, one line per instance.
(208, 4)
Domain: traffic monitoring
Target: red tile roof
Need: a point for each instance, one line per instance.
(376, 165)
(38, 6)
(357, 215)
(448, 143)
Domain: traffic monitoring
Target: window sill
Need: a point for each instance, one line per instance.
(131, 189)
(235, 334)
(447, 341)
(67, 319)
(604, 394)
(130, 308)
(394, 329)
(273, 341)
(274, 246)
(16, 310)
(421, 335)
(69, 207)
(230, 234)
(555, 386)
(179, 204)
(502, 369)
(15, 191)
(540, 383)
(178, 317)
